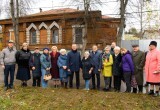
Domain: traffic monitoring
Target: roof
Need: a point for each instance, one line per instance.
(106, 17)
(55, 11)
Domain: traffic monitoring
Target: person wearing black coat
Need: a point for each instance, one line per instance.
(87, 68)
(74, 64)
(22, 59)
(117, 69)
(35, 66)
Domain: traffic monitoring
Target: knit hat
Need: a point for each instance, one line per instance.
(10, 41)
(153, 43)
(135, 45)
(46, 48)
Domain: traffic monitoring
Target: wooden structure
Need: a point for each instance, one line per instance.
(62, 27)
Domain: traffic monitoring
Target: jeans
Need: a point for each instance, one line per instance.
(107, 81)
(98, 80)
(9, 69)
(43, 82)
(87, 84)
(71, 79)
(127, 79)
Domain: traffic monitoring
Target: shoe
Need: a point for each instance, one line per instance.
(77, 87)
(5, 88)
(155, 94)
(105, 90)
(11, 87)
(25, 84)
(93, 88)
(151, 92)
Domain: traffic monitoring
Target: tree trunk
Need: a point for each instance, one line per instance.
(15, 21)
(123, 4)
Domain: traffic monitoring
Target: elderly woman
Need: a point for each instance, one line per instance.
(22, 59)
(117, 69)
(87, 68)
(55, 69)
(62, 64)
(127, 67)
(107, 61)
(45, 60)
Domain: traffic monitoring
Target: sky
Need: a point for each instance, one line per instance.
(108, 7)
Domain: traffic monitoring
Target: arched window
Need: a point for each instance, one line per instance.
(33, 36)
(54, 34)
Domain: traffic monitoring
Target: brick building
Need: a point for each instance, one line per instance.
(62, 27)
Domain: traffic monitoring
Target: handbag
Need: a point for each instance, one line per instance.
(47, 76)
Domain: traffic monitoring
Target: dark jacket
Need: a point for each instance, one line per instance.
(127, 63)
(74, 61)
(139, 61)
(22, 58)
(35, 62)
(86, 66)
(97, 61)
(117, 67)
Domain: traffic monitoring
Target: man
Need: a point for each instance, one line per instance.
(74, 65)
(35, 66)
(152, 68)
(96, 57)
(8, 62)
(138, 60)
(113, 45)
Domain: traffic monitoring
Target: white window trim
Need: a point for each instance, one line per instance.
(10, 33)
(73, 31)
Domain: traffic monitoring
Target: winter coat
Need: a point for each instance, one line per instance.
(35, 62)
(8, 57)
(74, 61)
(97, 61)
(112, 51)
(62, 61)
(107, 67)
(152, 64)
(138, 60)
(87, 64)
(22, 58)
(54, 68)
(45, 63)
(127, 63)
(117, 67)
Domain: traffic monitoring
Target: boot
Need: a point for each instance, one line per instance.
(151, 92)
(135, 90)
(66, 85)
(156, 94)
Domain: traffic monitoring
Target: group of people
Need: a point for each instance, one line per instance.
(116, 64)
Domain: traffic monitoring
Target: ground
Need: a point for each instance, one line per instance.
(31, 98)
(64, 99)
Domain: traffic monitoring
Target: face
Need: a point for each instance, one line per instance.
(94, 48)
(36, 50)
(116, 51)
(152, 47)
(63, 52)
(74, 47)
(46, 51)
(54, 49)
(113, 45)
(86, 55)
(25, 47)
(10, 45)
(135, 49)
(123, 51)
(107, 50)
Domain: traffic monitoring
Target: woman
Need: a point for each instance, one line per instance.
(87, 68)
(22, 59)
(45, 60)
(62, 64)
(35, 66)
(54, 68)
(117, 69)
(127, 67)
(152, 69)
(107, 61)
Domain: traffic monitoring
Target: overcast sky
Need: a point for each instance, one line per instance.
(108, 7)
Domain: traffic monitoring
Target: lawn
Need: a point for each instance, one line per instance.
(30, 98)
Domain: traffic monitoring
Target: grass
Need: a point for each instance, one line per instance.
(71, 99)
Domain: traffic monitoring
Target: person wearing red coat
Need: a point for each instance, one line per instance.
(54, 69)
(152, 68)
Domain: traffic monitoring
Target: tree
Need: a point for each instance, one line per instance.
(123, 4)
(133, 31)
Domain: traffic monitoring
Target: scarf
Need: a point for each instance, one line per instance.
(47, 56)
